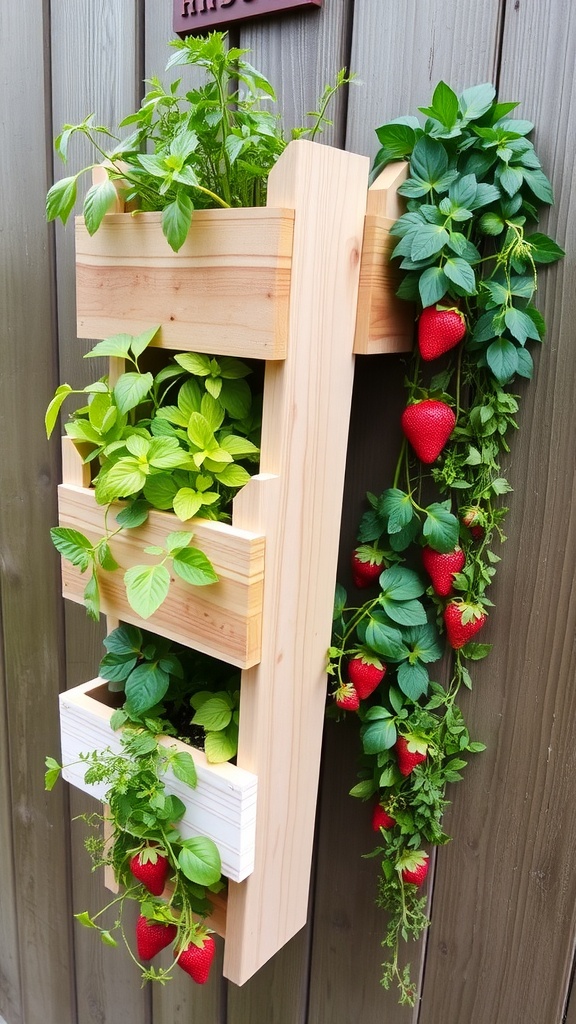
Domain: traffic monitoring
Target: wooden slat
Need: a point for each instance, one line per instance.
(225, 291)
(306, 402)
(222, 806)
(384, 323)
(400, 52)
(10, 995)
(223, 619)
(513, 873)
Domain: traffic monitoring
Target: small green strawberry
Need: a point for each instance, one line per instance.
(365, 672)
(427, 425)
(413, 867)
(439, 330)
(411, 750)
(441, 568)
(462, 621)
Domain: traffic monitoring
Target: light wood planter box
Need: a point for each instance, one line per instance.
(222, 806)
(306, 289)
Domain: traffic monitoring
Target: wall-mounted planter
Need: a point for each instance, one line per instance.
(294, 503)
(222, 806)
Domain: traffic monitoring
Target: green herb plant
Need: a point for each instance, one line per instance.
(142, 818)
(178, 440)
(468, 247)
(211, 146)
(169, 688)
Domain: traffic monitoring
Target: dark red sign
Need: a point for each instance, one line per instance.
(200, 15)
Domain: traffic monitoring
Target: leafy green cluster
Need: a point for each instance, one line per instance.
(180, 440)
(142, 816)
(211, 146)
(474, 179)
(473, 188)
(168, 688)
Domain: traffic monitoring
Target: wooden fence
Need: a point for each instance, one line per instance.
(503, 895)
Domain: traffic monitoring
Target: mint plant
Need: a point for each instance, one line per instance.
(470, 256)
(178, 440)
(213, 146)
(168, 688)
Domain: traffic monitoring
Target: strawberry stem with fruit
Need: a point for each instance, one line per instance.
(474, 185)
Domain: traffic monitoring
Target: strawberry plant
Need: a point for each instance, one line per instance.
(170, 878)
(180, 440)
(211, 146)
(470, 254)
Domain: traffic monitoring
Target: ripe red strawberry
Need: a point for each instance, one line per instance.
(197, 959)
(428, 425)
(410, 750)
(365, 674)
(439, 330)
(151, 868)
(367, 564)
(153, 936)
(462, 621)
(381, 818)
(441, 568)
(473, 518)
(413, 867)
(347, 698)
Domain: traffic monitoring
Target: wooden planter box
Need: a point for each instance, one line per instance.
(222, 806)
(319, 289)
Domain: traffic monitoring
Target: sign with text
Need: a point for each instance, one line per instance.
(201, 15)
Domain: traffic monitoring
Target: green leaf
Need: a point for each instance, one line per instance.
(182, 764)
(511, 180)
(52, 774)
(61, 198)
(54, 407)
(520, 325)
(413, 680)
(73, 546)
(397, 506)
(525, 363)
(441, 528)
(544, 249)
(476, 101)
(378, 736)
(502, 358)
(236, 398)
(105, 557)
(538, 183)
(134, 515)
(385, 640)
(405, 613)
(429, 240)
(120, 480)
(145, 687)
(215, 713)
(187, 503)
(432, 286)
(176, 220)
(195, 363)
(401, 584)
(115, 668)
(429, 162)
(146, 588)
(444, 107)
(233, 476)
(397, 139)
(177, 540)
(91, 597)
(475, 652)
(199, 860)
(124, 640)
(118, 345)
(160, 490)
(107, 938)
(222, 746)
(194, 567)
(98, 201)
(131, 389)
(461, 273)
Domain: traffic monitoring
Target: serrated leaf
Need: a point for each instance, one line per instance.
(146, 588)
(61, 198)
(215, 713)
(461, 273)
(182, 764)
(502, 358)
(131, 389)
(441, 528)
(413, 680)
(544, 249)
(73, 546)
(199, 860)
(520, 325)
(194, 567)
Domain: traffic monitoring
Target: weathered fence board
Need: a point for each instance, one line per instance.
(10, 995)
(504, 900)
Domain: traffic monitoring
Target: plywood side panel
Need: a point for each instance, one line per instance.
(502, 938)
(400, 51)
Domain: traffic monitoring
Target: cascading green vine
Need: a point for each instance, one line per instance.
(426, 545)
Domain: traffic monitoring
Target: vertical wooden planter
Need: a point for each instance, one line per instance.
(293, 301)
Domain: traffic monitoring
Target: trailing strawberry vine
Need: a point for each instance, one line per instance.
(426, 545)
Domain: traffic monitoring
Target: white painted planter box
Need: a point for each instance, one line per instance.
(222, 806)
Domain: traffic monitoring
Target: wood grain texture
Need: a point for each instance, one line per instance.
(32, 632)
(223, 619)
(225, 291)
(400, 52)
(502, 937)
(306, 405)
